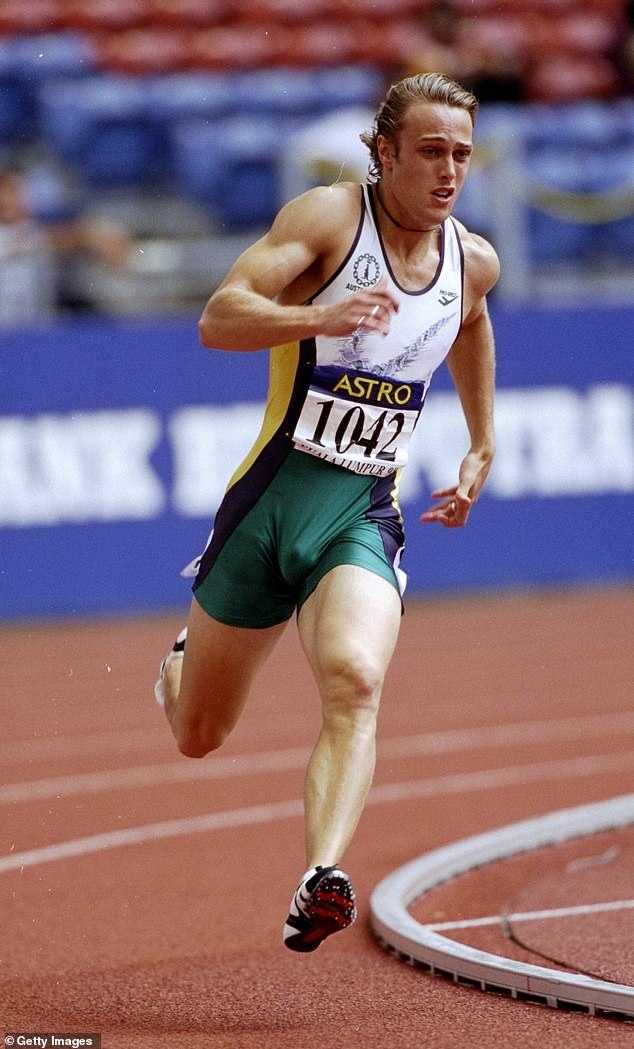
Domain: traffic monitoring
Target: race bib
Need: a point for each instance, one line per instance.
(358, 420)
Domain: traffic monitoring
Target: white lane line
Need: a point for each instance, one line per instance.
(175, 771)
(533, 916)
(57, 748)
(494, 779)
(153, 832)
(153, 775)
(519, 733)
(489, 779)
(443, 742)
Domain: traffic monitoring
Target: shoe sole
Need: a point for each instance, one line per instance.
(331, 909)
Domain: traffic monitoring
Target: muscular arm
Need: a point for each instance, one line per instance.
(259, 303)
(471, 363)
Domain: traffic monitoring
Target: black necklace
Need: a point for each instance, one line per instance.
(406, 229)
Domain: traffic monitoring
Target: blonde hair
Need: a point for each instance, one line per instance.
(423, 87)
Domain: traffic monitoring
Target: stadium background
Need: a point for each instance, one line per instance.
(189, 122)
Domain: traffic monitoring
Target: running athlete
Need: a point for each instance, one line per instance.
(359, 292)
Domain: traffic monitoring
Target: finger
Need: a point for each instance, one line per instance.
(442, 493)
(453, 513)
(377, 318)
(387, 293)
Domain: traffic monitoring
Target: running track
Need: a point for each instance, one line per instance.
(143, 894)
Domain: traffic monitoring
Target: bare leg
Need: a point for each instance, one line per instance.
(207, 687)
(348, 628)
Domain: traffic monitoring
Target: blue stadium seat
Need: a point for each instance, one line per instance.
(105, 129)
(553, 236)
(54, 54)
(278, 91)
(585, 153)
(587, 125)
(349, 85)
(178, 96)
(307, 92)
(26, 62)
(232, 167)
(17, 107)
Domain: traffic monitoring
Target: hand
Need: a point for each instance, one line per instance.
(452, 512)
(370, 309)
(456, 502)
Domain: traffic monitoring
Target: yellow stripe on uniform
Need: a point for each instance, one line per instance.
(283, 364)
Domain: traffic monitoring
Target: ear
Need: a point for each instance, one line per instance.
(386, 151)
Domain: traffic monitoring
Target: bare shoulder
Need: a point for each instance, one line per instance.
(320, 212)
(316, 229)
(482, 266)
(309, 234)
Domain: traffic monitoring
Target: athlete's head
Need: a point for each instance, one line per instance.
(424, 87)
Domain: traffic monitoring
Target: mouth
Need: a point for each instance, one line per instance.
(443, 194)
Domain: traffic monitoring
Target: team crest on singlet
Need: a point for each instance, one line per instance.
(366, 272)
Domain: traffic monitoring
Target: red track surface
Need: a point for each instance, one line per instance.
(176, 940)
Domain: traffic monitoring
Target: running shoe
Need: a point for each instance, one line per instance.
(323, 903)
(178, 649)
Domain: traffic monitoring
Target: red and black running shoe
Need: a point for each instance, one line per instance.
(323, 903)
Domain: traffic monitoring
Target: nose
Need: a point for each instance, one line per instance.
(448, 167)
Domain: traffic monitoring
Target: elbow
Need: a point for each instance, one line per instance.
(204, 333)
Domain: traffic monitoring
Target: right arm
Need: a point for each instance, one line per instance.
(259, 303)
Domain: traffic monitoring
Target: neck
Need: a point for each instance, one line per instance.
(399, 225)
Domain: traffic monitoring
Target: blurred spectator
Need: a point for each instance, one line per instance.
(30, 251)
(624, 54)
(444, 45)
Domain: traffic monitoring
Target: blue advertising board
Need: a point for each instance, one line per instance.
(117, 439)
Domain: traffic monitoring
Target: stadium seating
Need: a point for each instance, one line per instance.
(231, 166)
(106, 130)
(106, 14)
(194, 14)
(36, 16)
(205, 94)
(178, 96)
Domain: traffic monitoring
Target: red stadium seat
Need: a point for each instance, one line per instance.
(589, 31)
(194, 13)
(105, 14)
(567, 77)
(281, 12)
(517, 33)
(383, 11)
(388, 46)
(141, 51)
(238, 47)
(37, 16)
(323, 44)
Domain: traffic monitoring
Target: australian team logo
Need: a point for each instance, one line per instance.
(366, 271)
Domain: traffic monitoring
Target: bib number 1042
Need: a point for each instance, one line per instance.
(363, 432)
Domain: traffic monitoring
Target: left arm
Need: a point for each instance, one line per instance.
(471, 363)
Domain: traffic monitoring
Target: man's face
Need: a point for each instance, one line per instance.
(425, 168)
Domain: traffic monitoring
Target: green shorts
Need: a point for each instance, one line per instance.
(276, 536)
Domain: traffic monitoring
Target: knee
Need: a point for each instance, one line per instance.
(354, 682)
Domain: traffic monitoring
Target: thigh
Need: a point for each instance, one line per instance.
(351, 618)
(219, 666)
